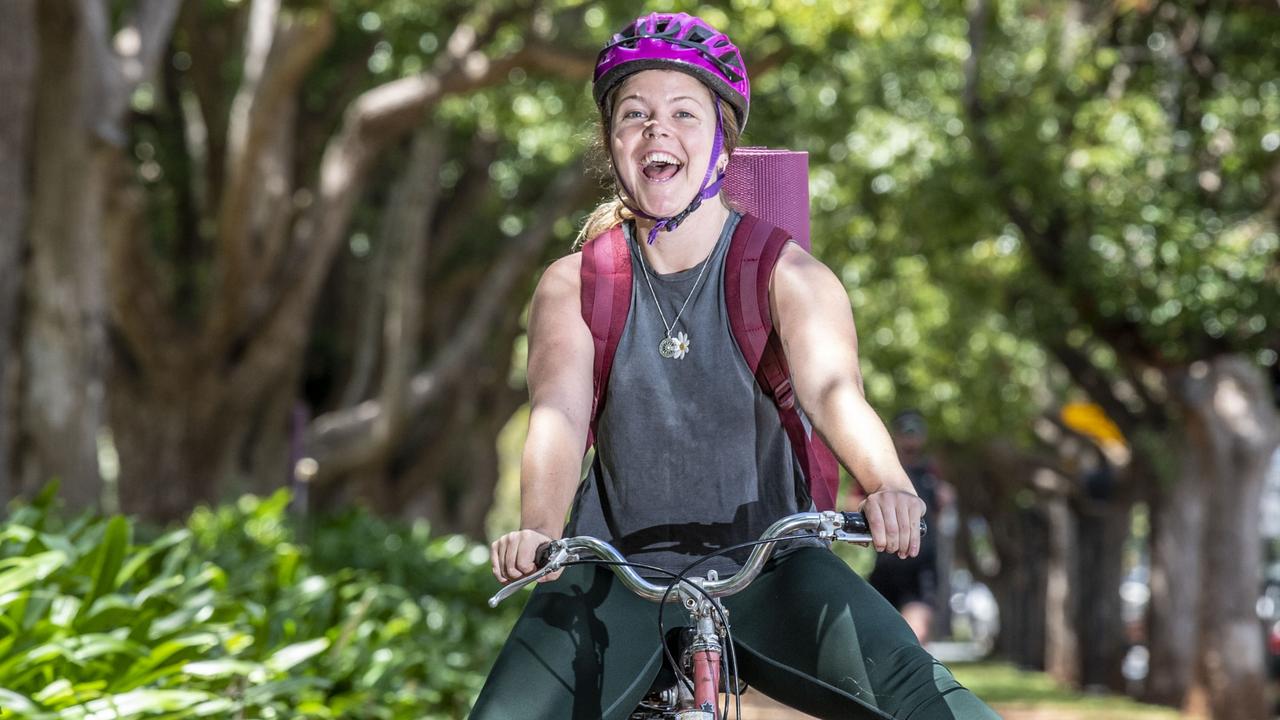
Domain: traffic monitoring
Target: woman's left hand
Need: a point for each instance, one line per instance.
(894, 519)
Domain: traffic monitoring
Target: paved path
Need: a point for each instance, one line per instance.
(758, 707)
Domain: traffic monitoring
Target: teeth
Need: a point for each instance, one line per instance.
(662, 157)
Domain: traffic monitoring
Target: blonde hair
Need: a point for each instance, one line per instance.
(612, 212)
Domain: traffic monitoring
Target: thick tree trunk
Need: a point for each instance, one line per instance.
(1022, 543)
(1177, 529)
(182, 445)
(18, 57)
(1062, 598)
(64, 338)
(173, 447)
(1103, 528)
(1232, 432)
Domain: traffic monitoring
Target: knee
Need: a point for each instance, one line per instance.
(914, 681)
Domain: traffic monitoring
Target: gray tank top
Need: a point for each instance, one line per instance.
(690, 454)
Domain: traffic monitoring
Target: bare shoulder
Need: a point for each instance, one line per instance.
(555, 318)
(561, 281)
(560, 345)
(799, 276)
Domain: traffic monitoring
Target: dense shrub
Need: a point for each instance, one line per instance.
(243, 613)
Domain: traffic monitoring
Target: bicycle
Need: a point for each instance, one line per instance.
(693, 694)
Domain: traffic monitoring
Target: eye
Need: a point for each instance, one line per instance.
(683, 114)
(632, 115)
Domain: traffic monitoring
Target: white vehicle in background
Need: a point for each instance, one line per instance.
(975, 615)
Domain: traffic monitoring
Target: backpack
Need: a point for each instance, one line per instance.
(753, 252)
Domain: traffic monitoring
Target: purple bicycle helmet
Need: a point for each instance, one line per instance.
(676, 41)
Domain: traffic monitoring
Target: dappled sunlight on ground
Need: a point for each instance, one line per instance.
(756, 706)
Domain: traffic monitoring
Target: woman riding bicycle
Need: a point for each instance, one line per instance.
(691, 455)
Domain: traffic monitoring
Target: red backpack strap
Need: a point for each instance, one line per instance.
(606, 299)
(754, 252)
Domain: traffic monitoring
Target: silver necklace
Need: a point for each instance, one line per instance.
(672, 348)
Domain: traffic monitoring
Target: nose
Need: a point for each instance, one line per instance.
(652, 128)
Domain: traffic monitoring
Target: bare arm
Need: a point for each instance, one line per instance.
(812, 314)
(561, 353)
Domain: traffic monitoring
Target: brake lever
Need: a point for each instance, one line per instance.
(557, 556)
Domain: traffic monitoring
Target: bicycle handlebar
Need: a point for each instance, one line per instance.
(830, 525)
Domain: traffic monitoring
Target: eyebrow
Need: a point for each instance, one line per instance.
(636, 96)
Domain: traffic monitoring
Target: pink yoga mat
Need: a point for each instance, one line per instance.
(773, 185)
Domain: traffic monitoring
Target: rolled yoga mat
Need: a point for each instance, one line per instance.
(773, 185)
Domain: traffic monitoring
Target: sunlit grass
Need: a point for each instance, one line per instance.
(1013, 692)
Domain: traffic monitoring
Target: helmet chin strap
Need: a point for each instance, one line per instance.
(704, 192)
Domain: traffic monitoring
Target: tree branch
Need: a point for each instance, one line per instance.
(210, 39)
(1099, 387)
(253, 218)
(467, 194)
(376, 119)
(131, 58)
(343, 440)
(141, 317)
(412, 204)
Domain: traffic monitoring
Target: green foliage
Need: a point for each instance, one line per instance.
(242, 613)
(1143, 160)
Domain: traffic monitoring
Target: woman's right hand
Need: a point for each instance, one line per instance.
(512, 555)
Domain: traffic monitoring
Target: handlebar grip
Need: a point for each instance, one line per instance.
(542, 556)
(857, 522)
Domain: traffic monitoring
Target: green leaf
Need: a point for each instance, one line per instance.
(140, 556)
(89, 647)
(20, 572)
(48, 494)
(56, 541)
(169, 648)
(224, 668)
(12, 702)
(19, 534)
(287, 657)
(112, 611)
(109, 557)
(136, 702)
(55, 691)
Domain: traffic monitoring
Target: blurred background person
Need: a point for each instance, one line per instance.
(911, 584)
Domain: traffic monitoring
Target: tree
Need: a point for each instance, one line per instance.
(169, 296)
(81, 91)
(1089, 181)
(1129, 343)
(1030, 201)
(17, 70)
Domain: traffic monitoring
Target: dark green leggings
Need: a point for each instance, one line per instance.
(809, 632)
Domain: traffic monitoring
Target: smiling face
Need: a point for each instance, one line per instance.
(662, 132)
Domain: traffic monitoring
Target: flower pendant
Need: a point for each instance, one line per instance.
(674, 347)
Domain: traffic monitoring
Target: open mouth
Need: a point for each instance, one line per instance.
(660, 166)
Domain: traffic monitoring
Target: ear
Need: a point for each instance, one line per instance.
(722, 163)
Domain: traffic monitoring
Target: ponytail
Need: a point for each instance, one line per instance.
(604, 218)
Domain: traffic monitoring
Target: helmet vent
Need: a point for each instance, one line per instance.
(628, 37)
(698, 35)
